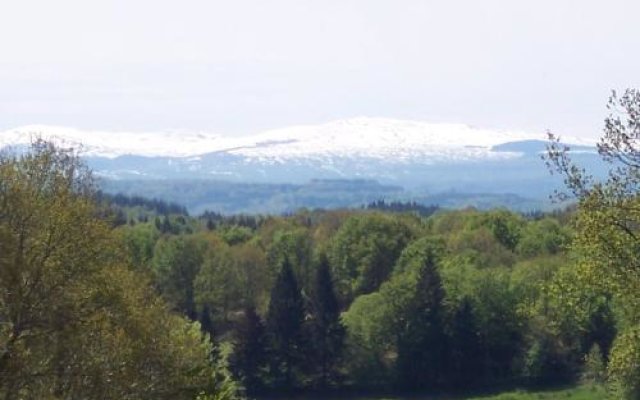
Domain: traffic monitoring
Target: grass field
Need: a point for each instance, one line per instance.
(579, 393)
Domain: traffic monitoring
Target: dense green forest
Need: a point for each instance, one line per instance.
(114, 297)
(371, 300)
(229, 198)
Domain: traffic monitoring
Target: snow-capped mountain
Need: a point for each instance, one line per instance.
(416, 159)
(378, 138)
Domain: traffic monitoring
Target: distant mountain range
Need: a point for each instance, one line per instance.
(419, 160)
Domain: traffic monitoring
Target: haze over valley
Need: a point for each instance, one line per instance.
(454, 165)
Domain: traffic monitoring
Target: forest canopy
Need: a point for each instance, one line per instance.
(76, 318)
(116, 297)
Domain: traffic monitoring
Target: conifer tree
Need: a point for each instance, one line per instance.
(205, 320)
(166, 225)
(328, 332)
(465, 346)
(422, 344)
(249, 356)
(284, 326)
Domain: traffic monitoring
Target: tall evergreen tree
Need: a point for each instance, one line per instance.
(327, 330)
(422, 343)
(465, 360)
(249, 356)
(285, 321)
(205, 320)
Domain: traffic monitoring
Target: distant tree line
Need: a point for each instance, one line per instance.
(155, 205)
(402, 206)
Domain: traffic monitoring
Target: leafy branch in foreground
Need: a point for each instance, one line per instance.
(76, 319)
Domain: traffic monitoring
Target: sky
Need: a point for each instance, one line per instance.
(238, 67)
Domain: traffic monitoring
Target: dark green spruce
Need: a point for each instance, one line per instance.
(249, 357)
(422, 343)
(285, 321)
(327, 330)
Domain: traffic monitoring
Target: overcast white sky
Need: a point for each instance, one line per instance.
(241, 66)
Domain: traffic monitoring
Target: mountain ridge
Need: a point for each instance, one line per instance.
(378, 138)
(452, 164)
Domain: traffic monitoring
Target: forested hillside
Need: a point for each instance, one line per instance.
(382, 301)
(114, 297)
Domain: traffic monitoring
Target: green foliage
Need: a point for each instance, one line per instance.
(465, 357)
(513, 304)
(295, 246)
(364, 251)
(580, 393)
(624, 365)
(374, 320)
(140, 241)
(401, 313)
(232, 278)
(422, 343)
(486, 239)
(418, 252)
(285, 320)
(370, 322)
(176, 262)
(505, 226)
(544, 237)
(218, 283)
(607, 241)
(595, 368)
(76, 320)
(327, 330)
(236, 235)
(249, 358)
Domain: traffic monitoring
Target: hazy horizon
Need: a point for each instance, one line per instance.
(238, 68)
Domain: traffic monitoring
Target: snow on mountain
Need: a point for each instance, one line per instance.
(378, 138)
(114, 144)
(381, 139)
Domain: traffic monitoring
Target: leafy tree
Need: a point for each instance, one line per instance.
(233, 278)
(177, 261)
(601, 326)
(75, 320)
(544, 237)
(505, 226)
(217, 283)
(544, 361)
(377, 322)
(496, 306)
(236, 235)
(595, 369)
(293, 244)
(370, 339)
(480, 246)
(140, 241)
(285, 320)
(371, 330)
(607, 241)
(624, 373)
(364, 251)
(255, 279)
